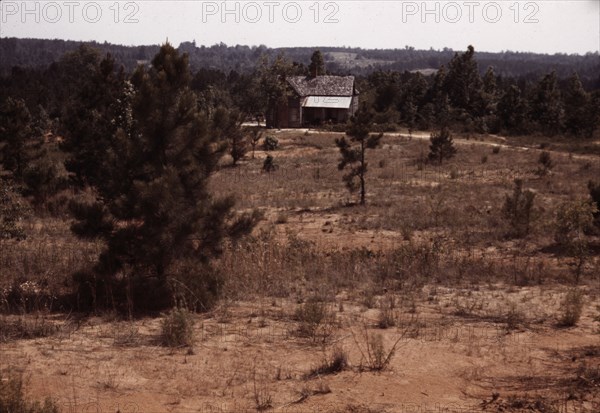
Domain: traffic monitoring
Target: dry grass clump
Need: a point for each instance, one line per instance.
(375, 355)
(12, 398)
(316, 320)
(571, 308)
(387, 312)
(25, 328)
(335, 362)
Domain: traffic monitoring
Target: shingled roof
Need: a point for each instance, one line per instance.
(322, 85)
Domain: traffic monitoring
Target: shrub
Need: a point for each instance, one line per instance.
(496, 150)
(518, 208)
(177, 329)
(546, 164)
(269, 164)
(573, 219)
(12, 211)
(442, 146)
(571, 308)
(270, 143)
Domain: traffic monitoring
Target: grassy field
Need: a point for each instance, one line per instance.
(418, 301)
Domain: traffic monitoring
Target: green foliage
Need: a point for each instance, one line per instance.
(579, 114)
(512, 110)
(354, 155)
(96, 110)
(442, 146)
(518, 209)
(227, 125)
(573, 219)
(546, 163)
(271, 87)
(317, 64)
(177, 329)
(16, 131)
(33, 163)
(546, 107)
(154, 210)
(269, 164)
(463, 83)
(13, 209)
(270, 143)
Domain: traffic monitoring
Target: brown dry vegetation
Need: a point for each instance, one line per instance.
(416, 302)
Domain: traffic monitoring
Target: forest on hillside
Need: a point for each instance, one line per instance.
(35, 53)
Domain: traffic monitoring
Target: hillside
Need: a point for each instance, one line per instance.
(40, 52)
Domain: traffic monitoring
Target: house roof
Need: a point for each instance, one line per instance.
(322, 85)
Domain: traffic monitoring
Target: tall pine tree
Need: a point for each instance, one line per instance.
(160, 224)
(354, 156)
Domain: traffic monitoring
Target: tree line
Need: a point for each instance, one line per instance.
(37, 53)
(457, 95)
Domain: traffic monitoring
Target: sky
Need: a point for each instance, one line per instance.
(542, 26)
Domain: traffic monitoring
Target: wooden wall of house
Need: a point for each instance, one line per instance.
(294, 115)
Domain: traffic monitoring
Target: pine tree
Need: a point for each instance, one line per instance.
(545, 105)
(512, 110)
(16, 133)
(442, 146)
(317, 64)
(518, 209)
(89, 122)
(272, 88)
(354, 156)
(576, 103)
(35, 165)
(227, 124)
(154, 210)
(463, 84)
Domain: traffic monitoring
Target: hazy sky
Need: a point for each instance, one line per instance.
(565, 26)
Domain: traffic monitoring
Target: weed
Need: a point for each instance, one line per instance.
(374, 354)
(262, 396)
(387, 312)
